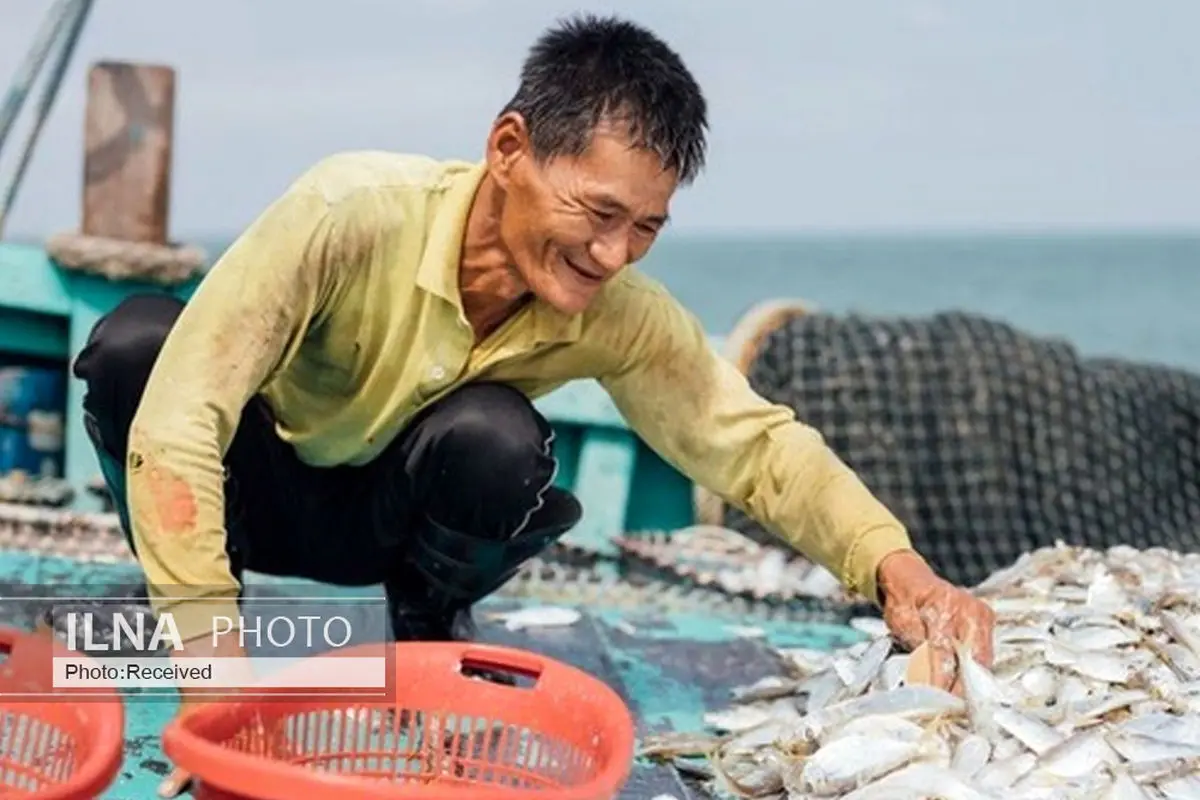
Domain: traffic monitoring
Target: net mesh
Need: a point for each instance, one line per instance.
(988, 442)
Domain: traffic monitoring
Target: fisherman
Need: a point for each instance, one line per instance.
(347, 396)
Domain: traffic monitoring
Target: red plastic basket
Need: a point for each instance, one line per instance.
(446, 735)
(53, 749)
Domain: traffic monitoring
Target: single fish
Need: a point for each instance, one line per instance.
(1003, 773)
(983, 693)
(892, 674)
(911, 702)
(1105, 593)
(1038, 684)
(848, 762)
(871, 626)
(819, 691)
(918, 782)
(1165, 727)
(672, 744)
(761, 737)
(971, 755)
(1096, 637)
(804, 661)
(739, 718)
(1081, 754)
(539, 617)
(1124, 787)
(1185, 788)
(866, 669)
(1023, 634)
(1179, 629)
(1103, 705)
(755, 776)
(897, 728)
(1099, 666)
(769, 688)
(1137, 748)
(1034, 734)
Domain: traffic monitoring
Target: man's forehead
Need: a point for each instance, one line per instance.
(613, 170)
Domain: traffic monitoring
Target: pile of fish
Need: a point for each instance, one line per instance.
(704, 569)
(55, 531)
(1094, 693)
(18, 487)
(721, 558)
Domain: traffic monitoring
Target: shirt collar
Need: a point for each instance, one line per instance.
(438, 270)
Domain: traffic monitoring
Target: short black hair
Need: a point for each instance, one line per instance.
(589, 69)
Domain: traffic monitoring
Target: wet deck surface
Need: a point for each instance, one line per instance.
(669, 670)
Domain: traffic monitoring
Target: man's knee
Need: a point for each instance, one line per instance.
(116, 361)
(482, 458)
(488, 427)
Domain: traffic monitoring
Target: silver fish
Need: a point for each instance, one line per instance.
(1093, 694)
(918, 782)
(849, 762)
(1125, 788)
(971, 755)
(911, 702)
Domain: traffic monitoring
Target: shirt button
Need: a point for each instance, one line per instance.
(437, 373)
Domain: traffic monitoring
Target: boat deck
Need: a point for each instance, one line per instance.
(668, 669)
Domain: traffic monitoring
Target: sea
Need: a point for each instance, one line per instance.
(1130, 295)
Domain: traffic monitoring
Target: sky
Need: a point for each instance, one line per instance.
(868, 115)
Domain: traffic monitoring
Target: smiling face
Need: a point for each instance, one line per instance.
(571, 223)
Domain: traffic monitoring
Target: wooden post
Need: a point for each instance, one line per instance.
(127, 165)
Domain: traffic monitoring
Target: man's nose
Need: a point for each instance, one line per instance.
(610, 251)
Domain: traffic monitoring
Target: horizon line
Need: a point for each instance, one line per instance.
(930, 231)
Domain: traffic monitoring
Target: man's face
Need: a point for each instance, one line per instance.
(571, 224)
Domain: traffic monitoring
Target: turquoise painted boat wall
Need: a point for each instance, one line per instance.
(47, 312)
(624, 485)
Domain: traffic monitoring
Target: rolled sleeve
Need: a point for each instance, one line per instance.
(697, 411)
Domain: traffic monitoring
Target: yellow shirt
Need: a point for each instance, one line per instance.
(340, 305)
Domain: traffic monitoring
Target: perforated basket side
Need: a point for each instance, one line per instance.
(446, 735)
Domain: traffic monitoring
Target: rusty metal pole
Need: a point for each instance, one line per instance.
(128, 139)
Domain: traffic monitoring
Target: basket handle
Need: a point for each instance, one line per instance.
(8, 639)
(24, 661)
(502, 661)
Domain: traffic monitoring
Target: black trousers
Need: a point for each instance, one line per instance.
(448, 511)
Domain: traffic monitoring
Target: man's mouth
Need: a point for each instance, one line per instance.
(585, 274)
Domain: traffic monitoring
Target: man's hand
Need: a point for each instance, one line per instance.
(919, 606)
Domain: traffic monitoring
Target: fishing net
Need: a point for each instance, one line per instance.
(988, 442)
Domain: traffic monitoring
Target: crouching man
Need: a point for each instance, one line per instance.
(346, 397)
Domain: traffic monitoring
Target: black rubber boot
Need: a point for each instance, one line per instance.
(449, 571)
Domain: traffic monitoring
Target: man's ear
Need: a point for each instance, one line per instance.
(507, 146)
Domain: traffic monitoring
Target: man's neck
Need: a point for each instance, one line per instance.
(490, 286)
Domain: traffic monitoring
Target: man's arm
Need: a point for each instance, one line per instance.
(700, 414)
(244, 322)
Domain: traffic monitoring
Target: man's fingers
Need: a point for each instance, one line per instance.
(943, 663)
(938, 623)
(906, 625)
(174, 784)
(979, 638)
